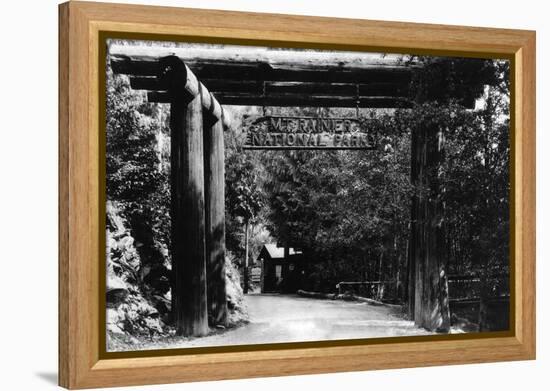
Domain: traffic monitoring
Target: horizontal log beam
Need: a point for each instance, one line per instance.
(226, 85)
(348, 89)
(124, 65)
(266, 71)
(178, 76)
(291, 100)
(159, 97)
(266, 80)
(212, 107)
(295, 100)
(151, 83)
(171, 73)
(193, 54)
(228, 69)
(233, 86)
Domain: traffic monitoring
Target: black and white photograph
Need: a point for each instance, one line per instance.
(268, 195)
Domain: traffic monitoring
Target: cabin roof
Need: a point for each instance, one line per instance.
(279, 252)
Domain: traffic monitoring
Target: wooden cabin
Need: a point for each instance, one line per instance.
(279, 274)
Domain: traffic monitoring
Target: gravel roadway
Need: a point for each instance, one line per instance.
(290, 318)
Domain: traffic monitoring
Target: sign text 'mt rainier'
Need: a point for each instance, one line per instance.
(308, 133)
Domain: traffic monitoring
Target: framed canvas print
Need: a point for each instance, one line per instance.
(247, 195)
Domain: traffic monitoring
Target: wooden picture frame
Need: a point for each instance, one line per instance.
(81, 363)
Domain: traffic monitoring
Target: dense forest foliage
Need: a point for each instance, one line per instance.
(347, 211)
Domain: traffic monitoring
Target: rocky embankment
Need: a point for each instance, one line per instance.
(138, 308)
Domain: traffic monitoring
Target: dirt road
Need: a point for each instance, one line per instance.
(290, 318)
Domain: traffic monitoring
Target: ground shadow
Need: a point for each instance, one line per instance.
(49, 377)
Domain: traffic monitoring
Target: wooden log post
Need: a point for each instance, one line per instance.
(245, 266)
(189, 296)
(428, 256)
(411, 255)
(214, 184)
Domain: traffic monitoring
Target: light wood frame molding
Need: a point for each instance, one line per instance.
(80, 24)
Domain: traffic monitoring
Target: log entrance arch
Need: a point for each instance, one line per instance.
(183, 80)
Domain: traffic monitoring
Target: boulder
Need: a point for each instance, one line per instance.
(117, 291)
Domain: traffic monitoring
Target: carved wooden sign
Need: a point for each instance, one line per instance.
(285, 132)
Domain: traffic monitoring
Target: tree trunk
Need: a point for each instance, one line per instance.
(284, 275)
(431, 302)
(187, 213)
(262, 275)
(380, 290)
(245, 271)
(404, 275)
(411, 254)
(483, 299)
(214, 183)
